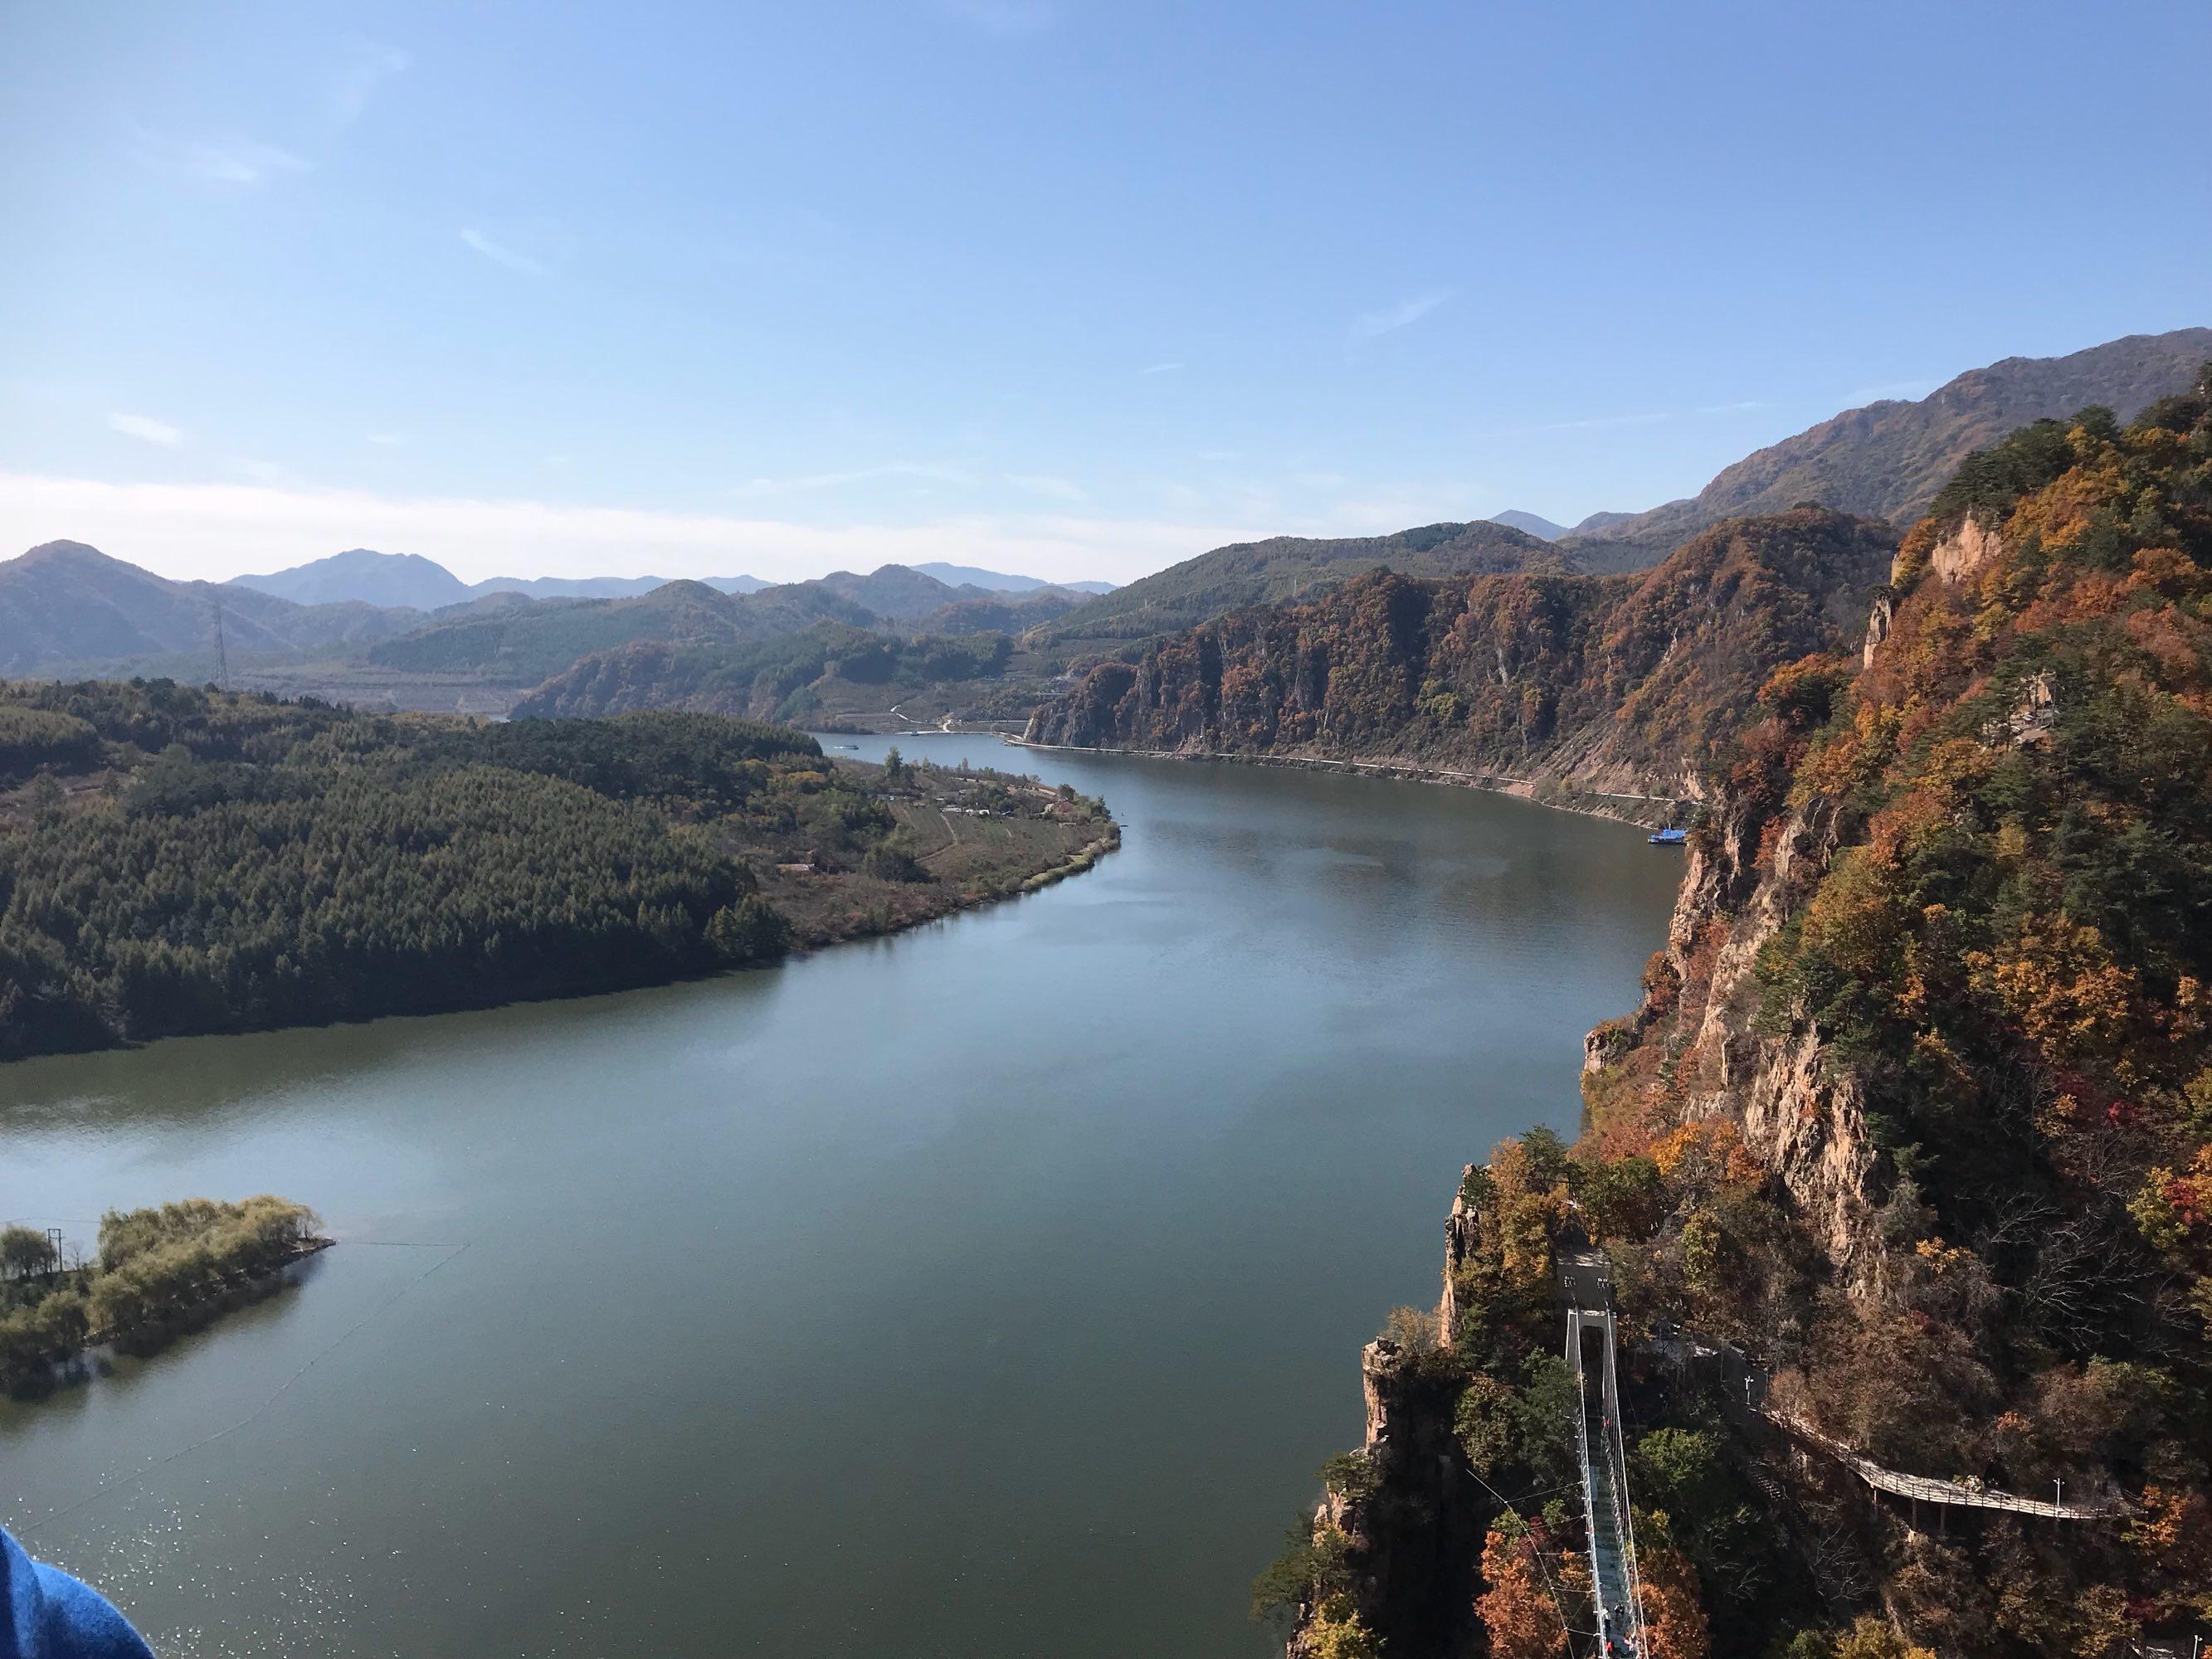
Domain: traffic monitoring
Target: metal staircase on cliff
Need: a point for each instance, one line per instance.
(1586, 1281)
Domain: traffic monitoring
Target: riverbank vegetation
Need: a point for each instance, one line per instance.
(156, 1269)
(176, 859)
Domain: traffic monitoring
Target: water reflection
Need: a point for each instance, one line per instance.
(990, 1289)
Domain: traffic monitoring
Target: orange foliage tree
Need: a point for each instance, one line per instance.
(1516, 1610)
(1673, 1617)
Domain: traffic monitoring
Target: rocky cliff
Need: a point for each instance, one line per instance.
(1751, 868)
(1915, 1109)
(1628, 683)
(1410, 1532)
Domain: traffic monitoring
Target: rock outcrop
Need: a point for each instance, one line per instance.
(1463, 1235)
(1411, 1537)
(1956, 556)
(1880, 616)
(1801, 1115)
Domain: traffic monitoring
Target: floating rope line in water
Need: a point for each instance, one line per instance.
(453, 1252)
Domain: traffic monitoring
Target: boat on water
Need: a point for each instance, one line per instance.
(1667, 837)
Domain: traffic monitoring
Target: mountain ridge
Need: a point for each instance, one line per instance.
(1887, 459)
(411, 581)
(1615, 683)
(1280, 567)
(66, 602)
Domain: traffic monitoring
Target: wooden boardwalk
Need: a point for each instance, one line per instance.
(1922, 1489)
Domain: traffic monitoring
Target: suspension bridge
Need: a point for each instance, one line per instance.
(1586, 1285)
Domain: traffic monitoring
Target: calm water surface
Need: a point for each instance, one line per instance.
(992, 1290)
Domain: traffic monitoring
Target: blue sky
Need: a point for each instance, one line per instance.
(1068, 286)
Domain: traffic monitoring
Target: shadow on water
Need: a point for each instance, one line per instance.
(124, 1364)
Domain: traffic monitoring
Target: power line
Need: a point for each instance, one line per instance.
(222, 651)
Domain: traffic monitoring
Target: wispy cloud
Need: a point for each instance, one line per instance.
(1160, 369)
(1008, 19)
(808, 483)
(146, 429)
(1052, 489)
(218, 161)
(500, 252)
(1372, 325)
(218, 530)
(367, 67)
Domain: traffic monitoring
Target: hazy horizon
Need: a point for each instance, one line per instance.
(1040, 285)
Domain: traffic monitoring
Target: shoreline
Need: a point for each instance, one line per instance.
(163, 1325)
(1494, 783)
(1083, 858)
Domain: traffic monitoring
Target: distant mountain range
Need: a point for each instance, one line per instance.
(68, 609)
(409, 581)
(997, 581)
(1544, 530)
(605, 587)
(1887, 459)
(67, 604)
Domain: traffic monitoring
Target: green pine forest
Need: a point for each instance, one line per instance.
(176, 859)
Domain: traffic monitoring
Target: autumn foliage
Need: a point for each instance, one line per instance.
(1961, 907)
(1517, 1611)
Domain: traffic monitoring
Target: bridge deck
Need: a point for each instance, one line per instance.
(1586, 1284)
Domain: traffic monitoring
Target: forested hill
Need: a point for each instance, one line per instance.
(67, 603)
(1622, 683)
(1257, 572)
(1943, 955)
(176, 860)
(780, 678)
(1916, 1113)
(1887, 459)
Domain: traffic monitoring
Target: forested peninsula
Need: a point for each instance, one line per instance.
(1903, 1167)
(178, 859)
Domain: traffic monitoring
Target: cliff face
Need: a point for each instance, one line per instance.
(1802, 1117)
(1628, 683)
(1754, 867)
(1412, 1537)
(1917, 1105)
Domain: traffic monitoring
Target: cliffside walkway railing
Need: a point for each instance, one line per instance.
(1586, 1282)
(1923, 1489)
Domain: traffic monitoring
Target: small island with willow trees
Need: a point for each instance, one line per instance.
(158, 1272)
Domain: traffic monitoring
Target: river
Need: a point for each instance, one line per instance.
(991, 1290)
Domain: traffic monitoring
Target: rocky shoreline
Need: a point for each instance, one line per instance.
(1591, 804)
